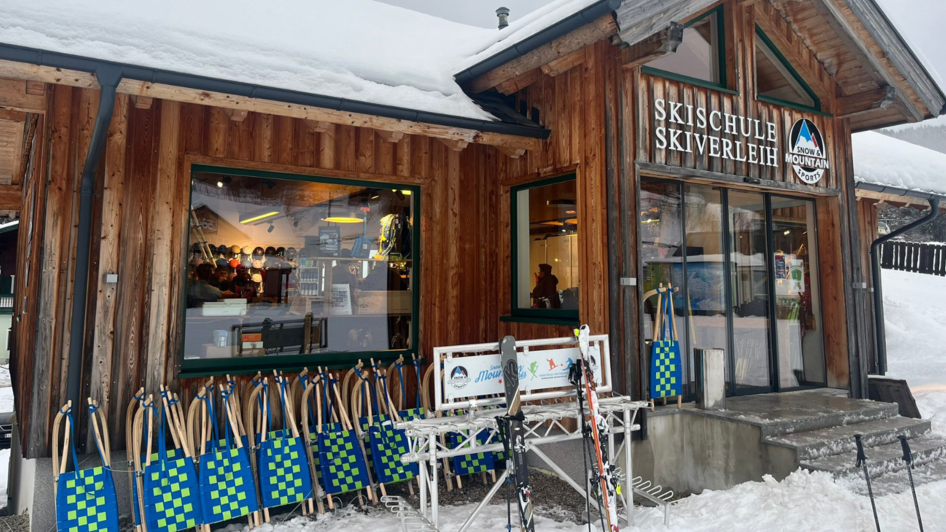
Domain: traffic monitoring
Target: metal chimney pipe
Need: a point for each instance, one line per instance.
(503, 14)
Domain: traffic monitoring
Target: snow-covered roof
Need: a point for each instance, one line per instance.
(359, 50)
(886, 161)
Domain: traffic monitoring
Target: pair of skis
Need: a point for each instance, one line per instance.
(594, 428)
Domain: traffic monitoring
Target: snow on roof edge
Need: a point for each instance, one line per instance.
(887, 161)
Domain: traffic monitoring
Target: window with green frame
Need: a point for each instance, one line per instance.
(285, 271)
(775, 79)
(545, 249)
(701, 57)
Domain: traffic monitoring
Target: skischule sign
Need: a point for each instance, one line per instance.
(717, 134)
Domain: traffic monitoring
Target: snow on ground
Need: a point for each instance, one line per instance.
(813, 502)
(883, 160)
(915, 312)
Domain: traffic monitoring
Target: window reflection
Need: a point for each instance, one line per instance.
(286, 267)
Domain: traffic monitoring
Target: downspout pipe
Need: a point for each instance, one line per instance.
(109, 77)
(879, 332)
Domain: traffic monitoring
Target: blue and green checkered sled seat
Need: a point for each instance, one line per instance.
(387, 445)
(341, 462)
(666, 372)
(469, 464)
(411, 414)
(283, 471)
(171, 492)
(85, 499)
(314, 441)
(227, 490)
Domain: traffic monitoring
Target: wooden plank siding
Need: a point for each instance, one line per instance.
(602, 123)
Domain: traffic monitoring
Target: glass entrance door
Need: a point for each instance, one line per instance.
(746, 266)
(749, 284)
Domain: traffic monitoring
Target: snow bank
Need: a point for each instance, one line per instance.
(914, 306)
(357, 49)
(883, 160)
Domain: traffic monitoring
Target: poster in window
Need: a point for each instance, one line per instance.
(330, 239)
(796, 276)
(341, 300)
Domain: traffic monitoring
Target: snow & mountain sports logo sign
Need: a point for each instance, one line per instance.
(807, 152)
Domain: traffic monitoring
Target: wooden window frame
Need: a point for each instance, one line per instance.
(794, 75)
(204, 367)
(721, 44)
(535, 315)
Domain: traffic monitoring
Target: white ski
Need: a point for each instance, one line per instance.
(603, 475)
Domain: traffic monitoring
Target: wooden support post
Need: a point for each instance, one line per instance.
(864, 102)
(662, 43)
(237, 115)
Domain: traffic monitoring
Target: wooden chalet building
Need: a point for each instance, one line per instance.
(609, 146)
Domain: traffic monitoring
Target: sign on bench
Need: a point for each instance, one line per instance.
(472, 373)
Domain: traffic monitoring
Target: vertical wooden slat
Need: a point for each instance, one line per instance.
(109, 234)
(162, 239)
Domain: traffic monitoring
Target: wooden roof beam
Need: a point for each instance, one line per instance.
(236, 115)
(564, 64)
(586, 35)
(664, 42)
(11, 197)
(512, 153)
(864, 102)
(320, 114)
(854, 41)
(455, 144)
(21, 72)
(142, 102)
(518, 83)
(390, 136)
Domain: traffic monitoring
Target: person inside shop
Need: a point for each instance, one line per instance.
(545, 293)
(202, 290)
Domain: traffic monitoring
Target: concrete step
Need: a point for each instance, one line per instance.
(813, 444)
(862, 411)
(881, 459)
(898, 481)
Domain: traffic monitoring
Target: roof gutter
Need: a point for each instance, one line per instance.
(34, 56)
(899, 191)
(109, 77)
(565, 26)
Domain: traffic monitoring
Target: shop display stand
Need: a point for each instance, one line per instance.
(550, 416)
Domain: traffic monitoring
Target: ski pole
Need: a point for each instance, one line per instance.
(908, 458)
(862, 463)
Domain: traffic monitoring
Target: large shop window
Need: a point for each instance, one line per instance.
(746, 265)
(545, 249)
(776, 81)
(285, 271)
(701, 56)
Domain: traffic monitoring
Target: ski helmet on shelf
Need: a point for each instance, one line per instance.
(257, 278)
(222, 250)
(247, 250)
(280, 252)
(270, 251)
(195, 247)
(291, 254)
(258, 252)
(258, 264)
(234, 249)
(234, 263)
(212, 248)
(222, 263)
(247, 263)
